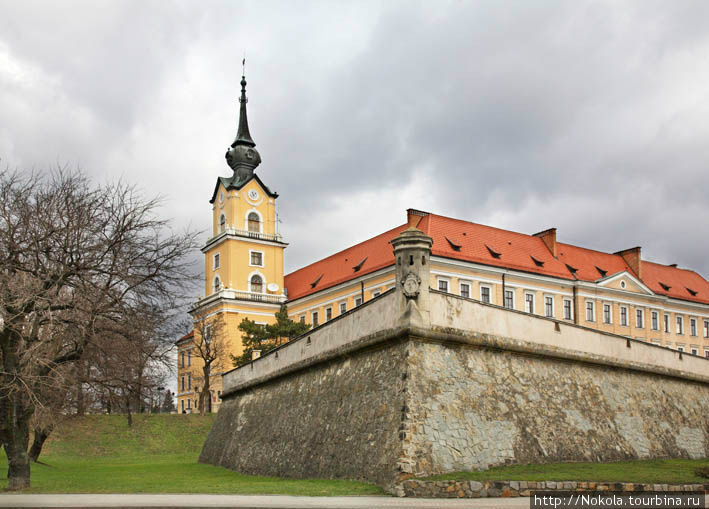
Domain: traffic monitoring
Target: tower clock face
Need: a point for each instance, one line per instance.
(253, 194)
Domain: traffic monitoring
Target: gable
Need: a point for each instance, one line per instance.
(625, 281)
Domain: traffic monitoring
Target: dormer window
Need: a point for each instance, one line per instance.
(254, 223)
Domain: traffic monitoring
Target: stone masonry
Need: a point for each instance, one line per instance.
(417, 383)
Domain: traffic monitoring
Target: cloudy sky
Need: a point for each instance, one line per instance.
(592, 117)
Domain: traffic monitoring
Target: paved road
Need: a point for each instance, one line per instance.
(254, 501)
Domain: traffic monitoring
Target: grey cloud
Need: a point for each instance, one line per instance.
(588, 116)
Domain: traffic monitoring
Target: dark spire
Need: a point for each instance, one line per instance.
(243, 136)
(242, 157)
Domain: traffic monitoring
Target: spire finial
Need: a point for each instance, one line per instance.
(242, 157)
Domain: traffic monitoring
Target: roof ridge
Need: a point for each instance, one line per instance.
(483, 225)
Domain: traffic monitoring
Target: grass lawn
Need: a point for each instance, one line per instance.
(676, 471)
(100, 454)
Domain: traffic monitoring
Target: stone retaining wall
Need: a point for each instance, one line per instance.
(476, 489)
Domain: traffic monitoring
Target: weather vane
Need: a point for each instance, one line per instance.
(243, 65)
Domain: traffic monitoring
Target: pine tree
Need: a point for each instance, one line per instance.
(267, 337)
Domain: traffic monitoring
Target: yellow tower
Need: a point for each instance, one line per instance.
(243, 267)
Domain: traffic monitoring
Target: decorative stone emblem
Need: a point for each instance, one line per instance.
(411, 284)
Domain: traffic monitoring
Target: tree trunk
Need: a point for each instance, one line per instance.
(40, 436)
(15, 415)
(204, 396)
(18, 460)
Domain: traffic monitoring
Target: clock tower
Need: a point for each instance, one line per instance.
(243, 261)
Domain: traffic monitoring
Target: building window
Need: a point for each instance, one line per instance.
(189, 404)
(256, 258)
(567, 309)
(358, 301)
(443, 285)
(509, 299)
(302, 318)
(376, 293)
(343, 308)
(590, 312)
(189, 357)
(639, 318)
(667, 323)
(215, 261)
(314, 316)
(328, 314)
(680, 348)
(706, 328)
(529, 302)
(623, 316)
(548, 306)
(485, 294)
(182, 359)
(465, 290)
(189, 382)
(254, 224)
(217, 284)
(606, 313)
(706, 354)
(183, 384)
(654, 320)
(222, 223)
(693, 326)
(256, 284)
(695, 351)
(680, 325)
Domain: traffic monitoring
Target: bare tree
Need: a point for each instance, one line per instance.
(73, 257)
(209, 345)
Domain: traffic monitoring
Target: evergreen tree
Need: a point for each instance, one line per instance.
(267, 337)
(168, 404)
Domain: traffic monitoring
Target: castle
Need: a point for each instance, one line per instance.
(615, 293)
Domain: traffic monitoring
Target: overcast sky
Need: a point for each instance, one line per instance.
(591, 117)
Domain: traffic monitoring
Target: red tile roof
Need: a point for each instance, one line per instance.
(472, 242)
(339, 267)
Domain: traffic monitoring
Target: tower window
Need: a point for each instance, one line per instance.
(256, 284)
(222, 223)
(217, 284)
(215, 261)
(257, 258)
(254, 222)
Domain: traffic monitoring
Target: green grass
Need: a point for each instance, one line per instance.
(100, 454)
(674, 471)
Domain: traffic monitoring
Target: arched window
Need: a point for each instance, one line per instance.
(254, 223)
(222, 223)
(217, 284)
(256, 284)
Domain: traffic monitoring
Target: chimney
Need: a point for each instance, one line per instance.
(632, 258)
(549, 239)
(255, 354)
(413, 217)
